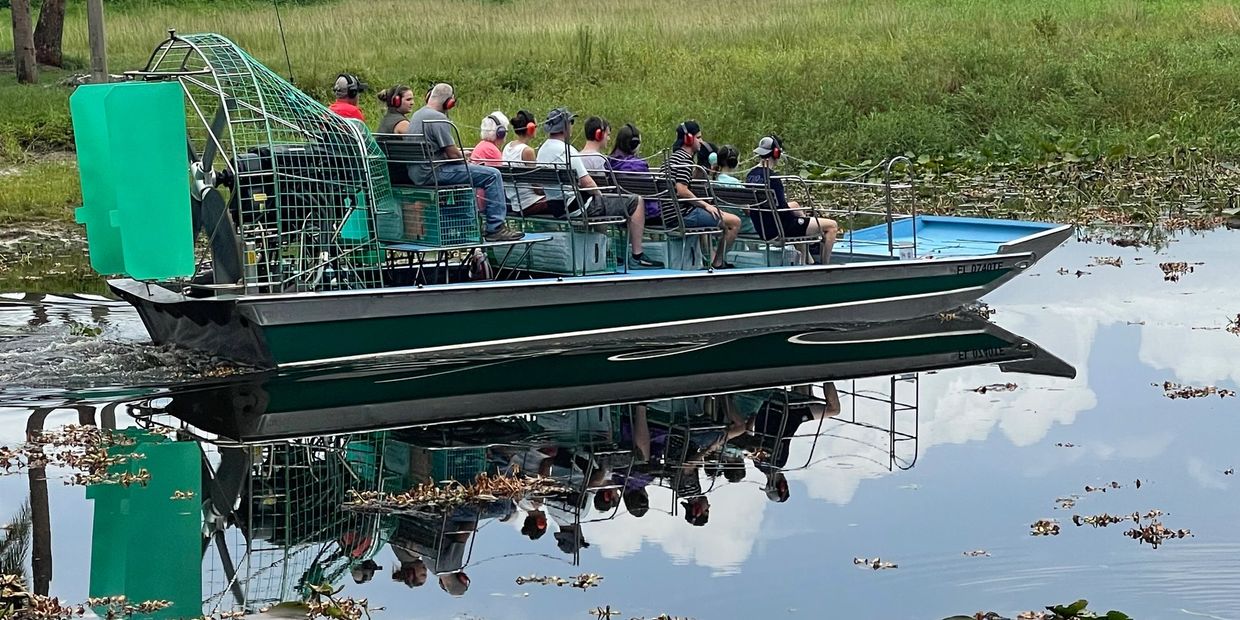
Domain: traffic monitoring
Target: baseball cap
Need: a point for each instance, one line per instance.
(765, 146)
(558, 120)
(346, 82)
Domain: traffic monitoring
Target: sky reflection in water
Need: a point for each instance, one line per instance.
(987, 466)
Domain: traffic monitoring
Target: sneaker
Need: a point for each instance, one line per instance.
(503, 233)
(641, 260)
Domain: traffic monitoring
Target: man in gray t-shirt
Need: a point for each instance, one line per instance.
(430, 124)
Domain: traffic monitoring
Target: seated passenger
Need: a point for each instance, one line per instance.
(399, 101)
(794, 221)
(431, 123)
(493, 131)
(557, 150)
(705, 156)
(523, 197)
(722, 165)
(346, 89)
(697, 213)
(624, 158)
(598, 131)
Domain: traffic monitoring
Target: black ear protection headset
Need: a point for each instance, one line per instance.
(352, 85)
(530, 126)
(449, 103)
(501, 131)
(635, 138)
(688, 139)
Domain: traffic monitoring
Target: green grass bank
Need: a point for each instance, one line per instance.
(965, 82)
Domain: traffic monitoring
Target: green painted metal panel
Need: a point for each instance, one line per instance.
(145, 544)
(293, 343)
(130, 139)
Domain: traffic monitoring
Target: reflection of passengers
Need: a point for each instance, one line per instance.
(426, 545)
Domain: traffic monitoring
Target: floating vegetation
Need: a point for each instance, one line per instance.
(1078, 273)
(1173, 271)
(874, 564)
(584, 581)
(324, 603)
(977, 553)
(1101, 520)
(431, 496)
(83, 449)
(182, 495)
(16, 602)
(1065, 445)
(1044, 527)
(1113, 261)
(1233, 325)
(1103, 488)
(1229, 471)
(1175, 390)
(1065, 503)
(995, 387)
(1155, 533)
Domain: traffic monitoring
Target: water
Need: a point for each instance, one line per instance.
(958, 471)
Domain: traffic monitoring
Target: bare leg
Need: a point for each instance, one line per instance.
(637, 226)
(828, 229)
(731, 228)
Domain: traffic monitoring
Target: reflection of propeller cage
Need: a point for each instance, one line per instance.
(298, 532)
(298, 170)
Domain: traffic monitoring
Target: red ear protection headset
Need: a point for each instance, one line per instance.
(688, 137)
(397, 95)
(599, 133)
(529, 128)
(449, 103)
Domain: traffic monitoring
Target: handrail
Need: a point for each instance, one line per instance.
(890, 203)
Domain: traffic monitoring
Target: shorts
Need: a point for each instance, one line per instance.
(698, 217)
(610, 205)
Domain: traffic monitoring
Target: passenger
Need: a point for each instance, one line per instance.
(455, 583)
(535, 524)
(723, 164)
(494, 131)
(795, 222)
(598, 131)
(347, 88)
(697, 213)
(526, 198)
(431, 122)
(706, 156)
(557, 150)
(399, 101)
(624, 158)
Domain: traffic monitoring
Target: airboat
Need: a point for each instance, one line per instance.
(243, 219)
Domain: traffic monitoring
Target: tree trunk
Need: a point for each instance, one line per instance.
(23, 43)
(49, 32)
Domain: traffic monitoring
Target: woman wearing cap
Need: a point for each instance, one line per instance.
(793, 221)
(399, 101)
(523, 197)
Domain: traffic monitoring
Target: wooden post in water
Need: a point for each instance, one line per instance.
(98, 49)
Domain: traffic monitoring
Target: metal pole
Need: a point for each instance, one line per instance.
(98, 49)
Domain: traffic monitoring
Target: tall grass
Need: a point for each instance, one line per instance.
(843, 80)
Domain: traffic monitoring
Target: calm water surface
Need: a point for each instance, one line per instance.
(976, 471)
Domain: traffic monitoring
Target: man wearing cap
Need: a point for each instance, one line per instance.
(557, 150)
(347, 88)
(793, 222)
(697, 213)
(430, 123)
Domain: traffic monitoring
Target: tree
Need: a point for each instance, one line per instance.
(49, 32)
(23, 43)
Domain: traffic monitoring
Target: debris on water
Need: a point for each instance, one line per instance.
(1173, 271)
(1229, 471)
(182, 495)
(1078, 273)
(874, 564)
(977, 553)
(995, 387)
(1065, 445)
(1044, 527)
(83, 449)
(1103, 488)
(604, 613)
(1064, 503)
(584, 581)
(1137, 482)
(1113, 261)
(1135, 322)
(1155, 533)
(1233, 325)
(1101, 520)
(1175, 390)
(429, 495)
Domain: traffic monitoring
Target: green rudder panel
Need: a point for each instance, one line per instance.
(131, 144)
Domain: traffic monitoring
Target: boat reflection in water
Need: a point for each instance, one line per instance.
(273, 462)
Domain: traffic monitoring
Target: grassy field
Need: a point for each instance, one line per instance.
(844, 81)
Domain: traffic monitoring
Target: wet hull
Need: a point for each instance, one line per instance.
(334, 327)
